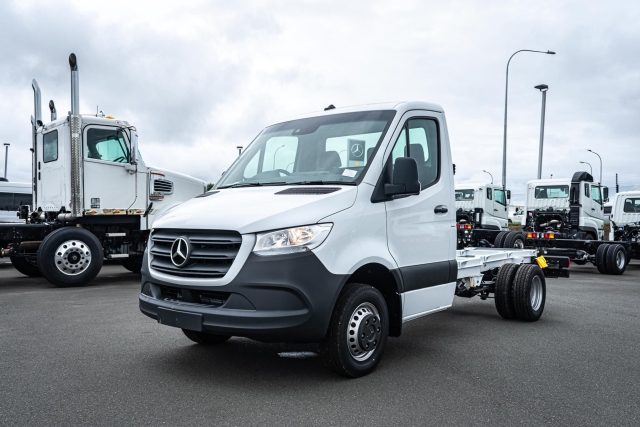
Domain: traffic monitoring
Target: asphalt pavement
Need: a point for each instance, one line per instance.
(87, 356)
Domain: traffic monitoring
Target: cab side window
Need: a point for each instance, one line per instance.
(499, 197)
(586, 190)
(419, 140)
(50, 146)
(108, 145)
(489, 194)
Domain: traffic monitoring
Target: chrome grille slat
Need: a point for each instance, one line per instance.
(211, 256)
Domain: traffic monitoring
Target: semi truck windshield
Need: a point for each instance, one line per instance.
(332, 149)
(552, 192)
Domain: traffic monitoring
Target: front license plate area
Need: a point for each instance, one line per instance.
(180, 319)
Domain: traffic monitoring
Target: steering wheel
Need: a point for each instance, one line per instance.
(120, 159)
(284, 171)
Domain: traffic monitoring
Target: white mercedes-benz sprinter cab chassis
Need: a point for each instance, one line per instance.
(334, 227)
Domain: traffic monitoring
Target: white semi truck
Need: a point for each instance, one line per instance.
(94, 198)
(625, 221)
(301, 244)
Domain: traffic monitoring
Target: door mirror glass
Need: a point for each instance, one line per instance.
(508, 194)
(605, 194)
(134, 148)
(405, 178)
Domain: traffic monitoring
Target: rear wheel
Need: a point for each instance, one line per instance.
(514, 239)
(26, 266)
(70, 256)
(529, 292)
(601, 259)
(357, 333)
(500, 239)
(503, 294)
(134, 265)
(205, 338)
(617, 259)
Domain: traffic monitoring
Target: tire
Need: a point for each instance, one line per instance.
(359, 308)
(26, 267)
(514, 240)
(601, 258)
(205, 338)
(503, 293)
(617, 259)
(497, 243)
(70, 256)
(529, 292)
(134, 265)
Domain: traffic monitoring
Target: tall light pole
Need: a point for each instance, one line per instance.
(274, 156)
(506, 93)
(587, 163)
(6, 158)
(600, 163)
(489, 175)
(543, 89)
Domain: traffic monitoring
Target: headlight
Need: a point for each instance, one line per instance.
(292, 240)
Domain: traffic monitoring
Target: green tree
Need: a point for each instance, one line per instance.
(210, 185)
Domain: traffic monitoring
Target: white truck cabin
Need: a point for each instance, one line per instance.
(489, 199)
(625, 210)
(12, 196)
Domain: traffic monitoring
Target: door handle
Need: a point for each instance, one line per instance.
(495, 210)
(441, 209)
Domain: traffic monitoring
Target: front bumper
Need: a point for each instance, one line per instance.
(282, 298)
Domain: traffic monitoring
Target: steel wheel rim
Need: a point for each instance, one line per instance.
(519, 244)
(72, 257)
(620, 259)
(536, 293)
(365, 319)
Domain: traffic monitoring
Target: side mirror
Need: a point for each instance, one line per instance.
(405, 178)
(134, 148)
(605, 194)
(508, 194)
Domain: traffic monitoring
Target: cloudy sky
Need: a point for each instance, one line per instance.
(198, 78)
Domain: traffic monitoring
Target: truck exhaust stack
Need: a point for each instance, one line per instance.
(75, 90)
(37, 103)
(52, 107)
(77, 197)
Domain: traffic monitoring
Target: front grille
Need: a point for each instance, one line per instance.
(193, 296)
(211, 252)
(162, 186)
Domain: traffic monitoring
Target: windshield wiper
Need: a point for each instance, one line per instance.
(322, 183)
(252, 184)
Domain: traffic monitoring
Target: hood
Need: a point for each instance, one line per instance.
(256, 209)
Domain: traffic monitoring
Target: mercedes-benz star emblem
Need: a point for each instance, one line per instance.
(356, 150)
(179, 252)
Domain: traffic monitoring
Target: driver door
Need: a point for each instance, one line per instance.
(109, 188)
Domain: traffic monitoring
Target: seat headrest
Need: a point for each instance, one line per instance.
(417, 153)
(329, 160)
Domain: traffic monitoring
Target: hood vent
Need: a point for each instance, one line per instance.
(309, 190)
(163, 186)
(207, 194)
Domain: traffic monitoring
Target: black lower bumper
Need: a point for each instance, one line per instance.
(272, 299)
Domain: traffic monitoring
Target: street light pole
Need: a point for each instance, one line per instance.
(543, 89)
(587, 163)
(6, 158)
(489, 175)
(600, 163)
(506, 93)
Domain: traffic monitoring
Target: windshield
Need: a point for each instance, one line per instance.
(464, 195)
(334, 149)
(552, 192)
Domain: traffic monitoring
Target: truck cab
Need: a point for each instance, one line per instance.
(490, 200)
(12, 196)
(625, 216)
(570, 208)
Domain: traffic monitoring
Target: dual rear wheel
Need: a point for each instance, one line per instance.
(520, 292)
(611, 259)
(509, 239)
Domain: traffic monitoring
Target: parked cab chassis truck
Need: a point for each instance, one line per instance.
(566, 218)
(625, 221)
(482, 217)
(320, 242)
(93, 196)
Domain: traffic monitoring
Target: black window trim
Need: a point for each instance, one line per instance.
(127, 142)
(378, 192)
(57, 146)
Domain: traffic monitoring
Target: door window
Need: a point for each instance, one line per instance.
(499, 197)
(595, 194)
(632, 206)
(50, 146)
(419, 140)
(586, 190)
(108, 145)
(13, 201)
(489, 194)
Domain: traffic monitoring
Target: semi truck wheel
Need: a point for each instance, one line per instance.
(357, 333)
(25, 266)
(500, 239)
(513, 239)
(70, 256)
(134, 265)
(205, 338)
(617, 259)
(503, 293)
(601, 259)
(529, 292)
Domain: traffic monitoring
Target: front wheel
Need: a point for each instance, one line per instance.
(357, 333)
(70, 256)
(25, 266)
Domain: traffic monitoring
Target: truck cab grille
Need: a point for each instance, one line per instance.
(211, 252)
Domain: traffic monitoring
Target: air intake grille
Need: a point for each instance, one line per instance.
(211, 252)
(162, 186)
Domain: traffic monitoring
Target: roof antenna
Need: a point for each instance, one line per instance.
(330, 107)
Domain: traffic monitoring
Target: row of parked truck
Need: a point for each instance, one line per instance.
(350, 232)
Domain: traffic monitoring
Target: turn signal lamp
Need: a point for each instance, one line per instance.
(463, 226)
